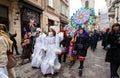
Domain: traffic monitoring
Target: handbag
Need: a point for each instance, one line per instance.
(108, 56)
(12, 62)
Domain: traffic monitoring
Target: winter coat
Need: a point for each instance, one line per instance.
(93, 40)
(113, 54)
(105, 38)
(12, 37)
(3, 52)
(84, 41)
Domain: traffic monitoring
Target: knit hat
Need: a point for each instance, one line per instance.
(107, 29)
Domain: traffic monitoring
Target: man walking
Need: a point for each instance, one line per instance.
(12, 37)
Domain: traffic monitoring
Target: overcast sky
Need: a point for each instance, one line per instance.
(76, 4)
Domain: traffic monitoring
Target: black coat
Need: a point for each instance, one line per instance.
(105, 38)
(93, 40)
(83, 41)
(12, 37)
(113, 54)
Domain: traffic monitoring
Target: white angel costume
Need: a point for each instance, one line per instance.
(39, 51)
(50, 64)
(3, 73)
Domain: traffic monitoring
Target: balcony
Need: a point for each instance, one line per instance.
(111, 14)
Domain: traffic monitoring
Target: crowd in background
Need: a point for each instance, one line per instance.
(47, 51)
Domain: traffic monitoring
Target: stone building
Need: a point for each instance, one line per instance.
(56, 13)
(113, 10)
(16, 14)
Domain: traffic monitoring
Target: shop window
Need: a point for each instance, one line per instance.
(26, 16)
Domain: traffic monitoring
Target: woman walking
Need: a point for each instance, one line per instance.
(113, 53)
(82, 44)
(27, 48)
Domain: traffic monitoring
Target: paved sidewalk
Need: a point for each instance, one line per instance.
(95, 67)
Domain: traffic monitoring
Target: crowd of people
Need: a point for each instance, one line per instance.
(46, 50)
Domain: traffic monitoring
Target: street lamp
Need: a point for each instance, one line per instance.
(117, 6)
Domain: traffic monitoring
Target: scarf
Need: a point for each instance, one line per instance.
(6, 35)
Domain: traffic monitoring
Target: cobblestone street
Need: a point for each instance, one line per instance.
(95, 67)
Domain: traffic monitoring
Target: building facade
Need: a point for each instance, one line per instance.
(17, 14)
(56, 13)
(113, 10)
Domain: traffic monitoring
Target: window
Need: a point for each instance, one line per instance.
(4, 12)
(62, 8)
(51, 3)
(86, 4)
(26, 15)
(110, 3)
(67, 12)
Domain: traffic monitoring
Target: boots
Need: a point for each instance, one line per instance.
(80, 72)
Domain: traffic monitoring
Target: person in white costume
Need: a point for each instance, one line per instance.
(50, 64)
(39, 49)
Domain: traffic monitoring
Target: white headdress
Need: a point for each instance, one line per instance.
(53, 27)
(38, 29)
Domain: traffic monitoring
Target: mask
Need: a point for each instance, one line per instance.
(50, 34)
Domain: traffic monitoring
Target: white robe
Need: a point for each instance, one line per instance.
(50, 63)
(3, 72)
(39, 53)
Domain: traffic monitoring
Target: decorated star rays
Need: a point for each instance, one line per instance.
(83, 17)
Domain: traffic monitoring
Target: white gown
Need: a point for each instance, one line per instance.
(3, 72)
(38, 54)
(50, 63)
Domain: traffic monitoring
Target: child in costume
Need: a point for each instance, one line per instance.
(71, 53)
